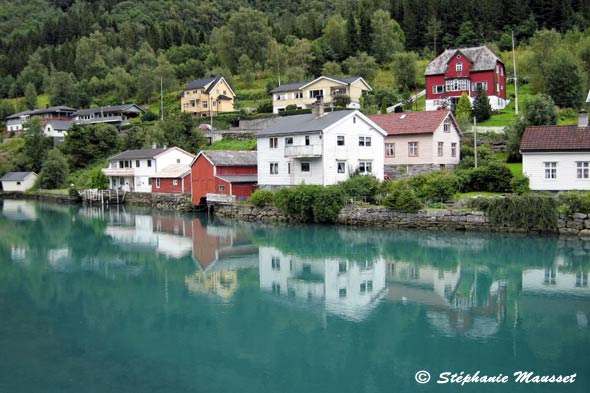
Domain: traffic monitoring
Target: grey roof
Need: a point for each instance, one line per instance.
(42, 111)
(239, 178)
(481, 57)
(200, 83)
(231, 157)
(303, 123)
(60, 124)
(108, 109)
(137, 154)
(16, 176)
(297, 86)
(174, 171)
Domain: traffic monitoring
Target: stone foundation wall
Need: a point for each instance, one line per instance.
(403, 171)
(179, 202)
(576, 225)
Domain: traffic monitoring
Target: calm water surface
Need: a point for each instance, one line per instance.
(118, 300)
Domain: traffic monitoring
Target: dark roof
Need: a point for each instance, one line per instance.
(411, 122)
(42, 111)
(555, 138)
(109, 109)
(223, 97)
(239, 178)
(481, 58)
(303, 123)
(231, 157)
(137, 154)
(297, 86)
(16, 176)
(201, 83)
(60, 124)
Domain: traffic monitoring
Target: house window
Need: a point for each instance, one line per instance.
(214, 103)
(459, 67)
(149, 162)
(438, 89)
(275, 263)
(483, 86)
(316, 93)
(582, 169)
(175, 182)
(158, 183)
(550, 170)
(18, 183)
(412, 149)
(341, 165)
(342, 292)
(274, 142)
(204, 104)
(456, 85)
(340, 140)
(307, 141)
(149, 181)
(274, 168)
(454, 149)
(288, 141)
(305, 167)
(221, 187)
(137, 163)
(365, 166)
(281, 97)
(289, 168)
(447, 125)
(365, 141)
(390, 149)
(342, 266)
(440, 148)
(298, 95)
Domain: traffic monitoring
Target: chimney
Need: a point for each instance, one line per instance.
(317, 108)
(583, 119)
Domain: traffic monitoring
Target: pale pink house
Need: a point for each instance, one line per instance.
(419, 142)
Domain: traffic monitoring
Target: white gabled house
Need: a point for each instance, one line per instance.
(133, 170)
(18, 181)
(319, 148)
(557, 158)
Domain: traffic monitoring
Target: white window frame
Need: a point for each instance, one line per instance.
(340, 140)
(438, 89)
(221, 187)
(550, 170)
(289, 141)
(440, 148)
(175, 182)
(447, 125)
(298, 95)
(453, 149)
(459, 67)
(476, 85)
(316, 93)
(274, 168)
(158, 182)
(365, 141)
(365, 166)
(273, 142)
(341, 167)
(390, 150)
(456, 85)
(307, 166)
(582, 170)
(413, 149)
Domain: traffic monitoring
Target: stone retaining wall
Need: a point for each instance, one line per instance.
(164, 201)
(40, 197)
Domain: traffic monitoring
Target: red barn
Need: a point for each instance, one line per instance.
(224, 172)
(174, 179)
(464, 70)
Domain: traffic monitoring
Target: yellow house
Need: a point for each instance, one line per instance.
(304, 94)
(207, 97)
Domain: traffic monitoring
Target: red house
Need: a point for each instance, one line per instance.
(465, 70)
(174, 179)
(223, 172)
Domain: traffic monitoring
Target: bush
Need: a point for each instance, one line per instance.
(402, 198)
(73, 192)
(494, 177)
(439, 186)
(520, 185)
(360, 187)
(148, 116)
(261, 198)
(327, 205)
(574, 202)
(310, 202)
(528, 211)
(54, 171)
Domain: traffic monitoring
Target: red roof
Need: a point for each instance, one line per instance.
(410, 122)
(555, 138)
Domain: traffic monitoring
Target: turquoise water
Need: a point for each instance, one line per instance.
(121, 300)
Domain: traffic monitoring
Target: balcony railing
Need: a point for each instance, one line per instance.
(303, 151)
(121, 172)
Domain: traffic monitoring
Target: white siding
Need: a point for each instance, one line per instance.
(20, 186)
(533, 166)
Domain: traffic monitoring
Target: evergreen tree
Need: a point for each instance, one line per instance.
(365, 35)
(352, 32)
(35, 148)
(54, 171)
(482, 110)
(564, 82)
(30, 96)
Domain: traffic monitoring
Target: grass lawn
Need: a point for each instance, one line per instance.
(507, 115)
(232, 144)
(464, 195)
(515, 167)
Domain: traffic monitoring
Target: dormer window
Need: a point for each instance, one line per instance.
(459, 67)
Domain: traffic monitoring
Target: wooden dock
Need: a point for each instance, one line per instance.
(104, 197)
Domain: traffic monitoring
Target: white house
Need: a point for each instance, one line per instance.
(116, 115)
(57, 129)
(18, 181)
(15, 121)
(557, 158)
(419, 142)
(319, 148)
(133, 170)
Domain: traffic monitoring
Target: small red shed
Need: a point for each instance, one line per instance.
(224, 172)
(174, 179)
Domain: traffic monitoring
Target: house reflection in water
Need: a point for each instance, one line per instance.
(219, 252)
(349, 289)
(460, 300)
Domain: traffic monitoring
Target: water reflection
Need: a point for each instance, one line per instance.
(351, 309)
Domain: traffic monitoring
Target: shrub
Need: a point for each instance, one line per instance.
(402, 198)
(528, 211)
(54, 171)
(360, 187)
(574, 202)
(439, 186)
(73, 192)
(520, 185)
(148, 116)
(261, 198)
(327, 205)
(494, 177)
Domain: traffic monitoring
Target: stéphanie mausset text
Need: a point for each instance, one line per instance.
(526, 377)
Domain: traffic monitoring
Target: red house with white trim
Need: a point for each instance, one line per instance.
(464, 70)
(174, 179)
(224, 172)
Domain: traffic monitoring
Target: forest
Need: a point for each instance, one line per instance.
(85, 53)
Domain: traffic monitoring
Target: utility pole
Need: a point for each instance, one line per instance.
(515, 77)
(161, 101)
(475, 139)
